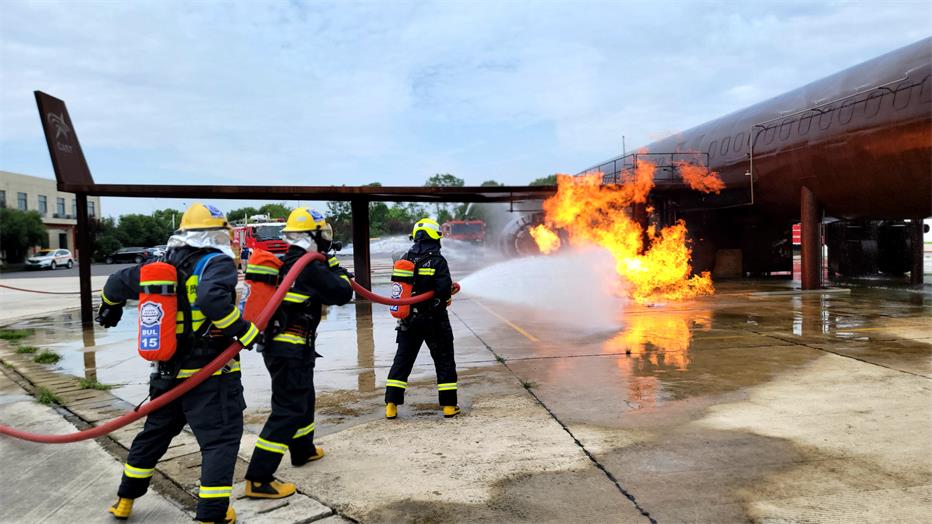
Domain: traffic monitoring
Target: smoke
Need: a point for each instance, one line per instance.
(576, 288)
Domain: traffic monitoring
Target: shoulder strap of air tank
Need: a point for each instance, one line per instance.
(202, 263)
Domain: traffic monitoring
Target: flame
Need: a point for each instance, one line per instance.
(547, 241)
(654, 265)
(699, 178)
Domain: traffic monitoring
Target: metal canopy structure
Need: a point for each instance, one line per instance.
(74, 176)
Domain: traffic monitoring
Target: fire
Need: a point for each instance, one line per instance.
(660, 341)
(700, 178)
(547, 241)
(654, 265)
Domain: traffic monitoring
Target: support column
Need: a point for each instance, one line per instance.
(916, 241)
(83, 246)
(811, 238)
(360, 210)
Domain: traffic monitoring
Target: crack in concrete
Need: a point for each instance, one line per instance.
(630, 496)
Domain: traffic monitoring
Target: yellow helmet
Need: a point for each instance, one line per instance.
(202, 216)
(429, 226)
(303, 219)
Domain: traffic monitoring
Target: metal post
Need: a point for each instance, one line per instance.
(362, 267)
(84, 261)
(811, 240)
(365, 347)
(915, 231)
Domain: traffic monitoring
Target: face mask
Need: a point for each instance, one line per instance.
(218, 239)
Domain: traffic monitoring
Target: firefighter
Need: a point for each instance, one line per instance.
(289, 354)
(428, 322)
(208, 321)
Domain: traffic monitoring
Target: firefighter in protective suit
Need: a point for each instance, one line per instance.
(208, 323)
(428, 323)
(288, 351)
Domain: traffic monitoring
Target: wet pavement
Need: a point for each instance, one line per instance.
(749, 405)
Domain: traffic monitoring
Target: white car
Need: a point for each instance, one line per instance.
(50, 259)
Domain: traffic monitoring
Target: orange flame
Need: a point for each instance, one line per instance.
(699, 178)
(654, 265)
(547, 241)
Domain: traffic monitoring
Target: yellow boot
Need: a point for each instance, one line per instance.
(391, 410)
(269, 490)
(121, 509)
(230, 517)
(318, 454)
(450, 411)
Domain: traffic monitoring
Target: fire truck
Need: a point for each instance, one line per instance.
(466, 230)
(261, 232)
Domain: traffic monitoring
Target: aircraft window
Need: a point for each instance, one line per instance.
(725, 143)
(786, 128)
(712, 147)
(872, 104)
(825, 119)
(739, 142)
(846, 112)
(901, 98)
(804, 124)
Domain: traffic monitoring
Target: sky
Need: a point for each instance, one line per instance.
(347, 93)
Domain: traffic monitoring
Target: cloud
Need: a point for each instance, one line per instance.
(348, 93)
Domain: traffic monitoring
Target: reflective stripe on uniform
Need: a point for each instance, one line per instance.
(426, 271)
(306, 430)
(107, 300)
(446, 387)
(402, 273)
(137, 473)
(228, 320)
(290, 339)
(250, 335)
(274, 447)
(297, 298)
(197, 320)
(157, 283)
(263, 270)
(396, 384)
(231, 367)
(214, 492)
(333, 261)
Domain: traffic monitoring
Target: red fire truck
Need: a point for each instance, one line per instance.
(262, 233)
(467, 230)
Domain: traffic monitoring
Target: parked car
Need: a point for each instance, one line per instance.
(50, 259)
(130, 254)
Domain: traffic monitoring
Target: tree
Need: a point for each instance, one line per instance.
(491, 183)
(242, 213)
(103, 232)
(550, 180)
(275, 210)
(444, 180)
(143, 230)
(20, 230)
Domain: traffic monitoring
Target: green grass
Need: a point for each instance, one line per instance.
(15, 334)
(89, 383)
(26, 349)
(45, 396)
(529, 384)
(46, 357)
(500, 358)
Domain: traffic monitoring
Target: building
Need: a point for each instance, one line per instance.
(58, 209)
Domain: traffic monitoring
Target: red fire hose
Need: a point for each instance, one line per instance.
(206, 371)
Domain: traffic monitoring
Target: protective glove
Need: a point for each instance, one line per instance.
(109, 315)
(248, 336)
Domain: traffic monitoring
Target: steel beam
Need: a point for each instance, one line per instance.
(811, 238)
(916, 241)
(361, 263)
(85, 254)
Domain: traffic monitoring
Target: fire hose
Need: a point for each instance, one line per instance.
(208, 370)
